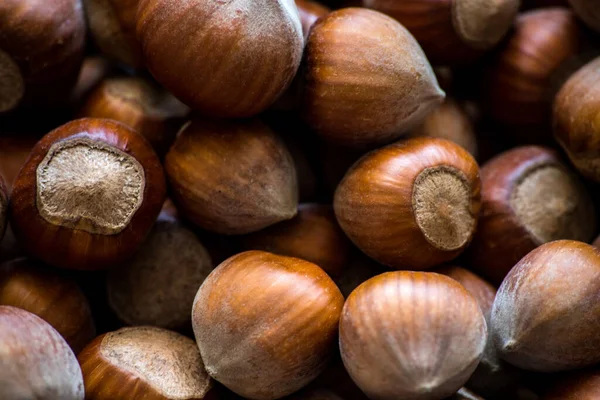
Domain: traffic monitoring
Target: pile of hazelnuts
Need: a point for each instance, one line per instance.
(269, 199)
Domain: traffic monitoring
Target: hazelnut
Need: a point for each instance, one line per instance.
(493, 376)
(579, 385)
(520, 79)
(14, 150)
(366, 80)
(449, 121)
(588, 11)
(88, 195)
(144, 363)
(232, 177)
(158, 285)
(452, 31)
(309, 12)
(41, 50)
(413, 204)
(35, 361)
(529, 197)
(544, 314)
(55, 298)
(382, 338)
(112, 25)
(576, 108)
(93, 71)
(227, 59)
(136, 102)
(313, 235)
(266, 324)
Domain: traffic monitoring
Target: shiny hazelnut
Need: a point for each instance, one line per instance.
(452, 31)
(576, 109)
(112, 25)
(35, 361)
(366, 80)
(88, 195)
(158, 285)
(312, 235)
(588, 11)
(529, 197)
(138, 103)
(493, 376)
(449, 121)
(413, 204)
(266, 324)
(144, 363)
(227, 59)
(232, 177)
(544, 314)
(519, 81)
(55, 298)
(411, 335)
(309, 12)
(41, 50)
(580, 385)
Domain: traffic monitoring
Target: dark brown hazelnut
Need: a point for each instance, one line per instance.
(313, 235)
(41, 50)
(413, 204)
(529, 197)
(112, 25)
(138, 103)
(144, 363)
(231, 59)
(232, 177)
(580, 385)
(411, 335)
(519, 81)
(452, 32)
(576, 109)
(93, 71)
(310, 11)
(544, 315)
(36, 362)
(158, 285)
(366, 80)
(588, 11)
(449, 121)
(88, 195)
(14, 151)
(266, 324)
(55, 298)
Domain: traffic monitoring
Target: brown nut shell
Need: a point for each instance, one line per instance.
(367, 80)
(517, 89)
(146, 363)
(452, 32)
(266, 324)
(310, 11)
(56, 299)
(35, 361)
(312, 235)
(449, 121)
(88, 195)
(411, 335)
(576, 119)
(158, 285)
(226, 59)
(41, 50)
(112, 25)
(529, 197)
(143, 106)
(544, 315)
(413, 204)
(232, 177)
(588, 11)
